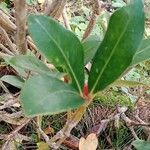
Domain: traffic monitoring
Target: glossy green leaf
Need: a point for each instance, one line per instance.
(19, 70)
(143, 53)
(115, 54)
(141, 145)
(29, 63)
(126, 83)
(32, 64)
(90, 46)
(44, 94)
(60, 46)
(13, 80)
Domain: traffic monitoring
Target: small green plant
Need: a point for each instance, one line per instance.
(44, 92)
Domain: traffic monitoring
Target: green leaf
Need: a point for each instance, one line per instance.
(141, 145)
(3, 6)
(123, 36)
(143, 53)
(23, 63)
(20, 71)
(90, 46)
(13, 80)
(126, 83)
(32, 64)
(43, 95)
(60, 46)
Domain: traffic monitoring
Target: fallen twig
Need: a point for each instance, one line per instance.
(9, 103)
(8, 41)
(5, 49)
(55, 8)
(92, 22)
(4, 87)
(6, 23)
(10, 137)
(129, 123)
(61, 136)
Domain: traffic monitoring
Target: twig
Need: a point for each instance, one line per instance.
(13, 115)
(92, 22)
(6, 13)
(61, 136)
(30, 42)
(6, 23)
(6, 117)
(3, 136)
(46, 138)
(65, 18)
(2, 55)
(55, 8)
(72, 142)
(129, 123)
(39, 123)
(133, 133)
(9, 103)
(20, 7)
(16, 115)
(4, 87)
(102, 126)
(146, 129)
(105, 122)
(11, 135)
(6, 49)
(9, 42)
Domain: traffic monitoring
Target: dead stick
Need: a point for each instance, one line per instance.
(55, 8)
(9, 42)
(92, 22)
(61, 136)
(11, 135)
(6, 23)
(9, 103)
(5, 49)
(20, 13)
(4, 87)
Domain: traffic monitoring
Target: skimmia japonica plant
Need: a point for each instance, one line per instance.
(45, 92)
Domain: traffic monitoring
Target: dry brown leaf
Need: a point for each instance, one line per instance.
(48, 130)
(90, 143)
(81, 143)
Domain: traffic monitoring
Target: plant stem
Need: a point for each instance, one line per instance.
(65, 131)
(20, 13)
(39, 123)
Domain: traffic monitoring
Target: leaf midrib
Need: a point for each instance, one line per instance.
(78, 85)
(111, 54)
(144, 49)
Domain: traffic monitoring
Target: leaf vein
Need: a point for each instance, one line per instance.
(111, 54)
(73, 74)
